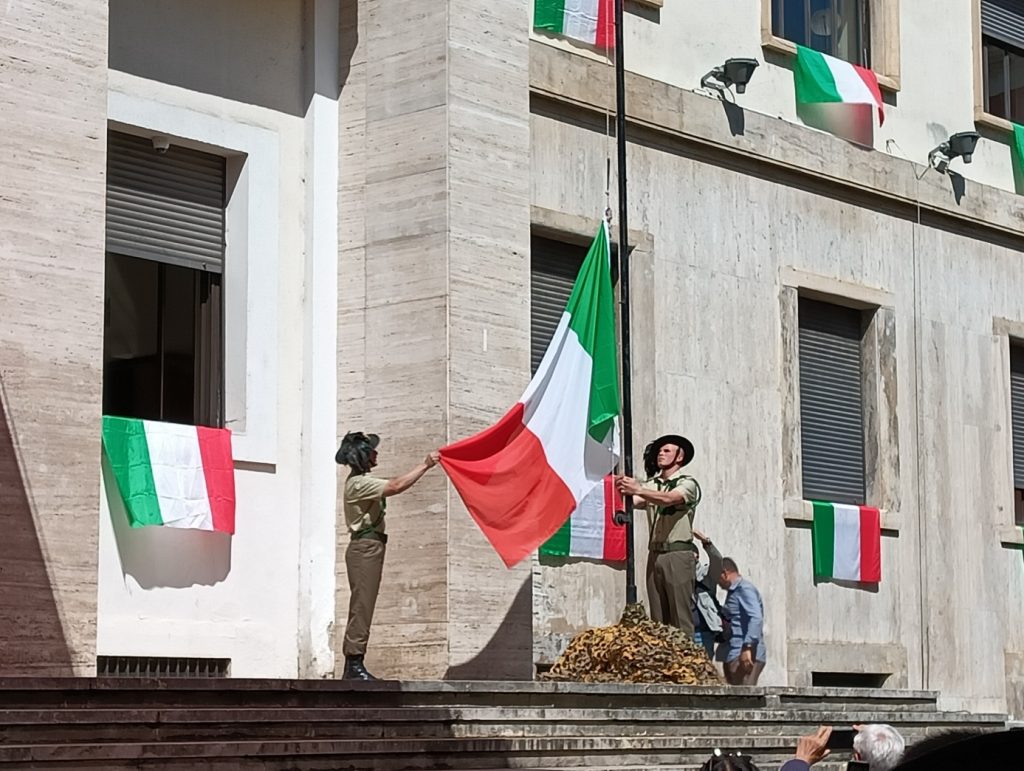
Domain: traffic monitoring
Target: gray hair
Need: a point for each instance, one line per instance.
(880, 745)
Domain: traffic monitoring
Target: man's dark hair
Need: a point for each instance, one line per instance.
(729, 763)
(729, 564)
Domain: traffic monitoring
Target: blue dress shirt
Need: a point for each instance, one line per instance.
(745, 609)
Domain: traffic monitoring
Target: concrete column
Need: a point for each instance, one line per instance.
(54, 60)
(320, 383)
(433, 330)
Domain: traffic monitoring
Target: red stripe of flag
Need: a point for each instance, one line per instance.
(219, 470)
(614, 535)
(605, 24)
(871, 81)
(870, 545)
(504, 469)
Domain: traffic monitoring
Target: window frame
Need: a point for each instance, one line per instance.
(883, 33)
(880, 389)
(981, 114)
(251, 261)
(1015, 344)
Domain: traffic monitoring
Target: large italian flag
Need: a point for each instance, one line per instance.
(588, 21)
(847, 542)
(173, 475)
(591, 531)
(822, 78)
(522, 477)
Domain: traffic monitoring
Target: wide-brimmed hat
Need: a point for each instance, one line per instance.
(355, 448)
(681, 442)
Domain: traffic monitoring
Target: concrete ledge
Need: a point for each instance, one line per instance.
(1010, 535)
(799, 510)
(669, 110)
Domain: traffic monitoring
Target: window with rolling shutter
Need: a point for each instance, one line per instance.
(553, 269)
(831, 402)
(1002, 34)
(1017, 423)
(168, 206)
(163, 340)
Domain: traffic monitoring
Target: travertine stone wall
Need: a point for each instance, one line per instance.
(734, 241)
(433, 328)
(53, 59)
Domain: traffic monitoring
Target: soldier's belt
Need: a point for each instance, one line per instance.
(370, 534)
(664, 547)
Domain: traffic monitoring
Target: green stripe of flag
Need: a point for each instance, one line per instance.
(559, 544)
(823, 534)
(549, 15)
(1017, 157)
(591, 309)
(813, 79)
(124, 440)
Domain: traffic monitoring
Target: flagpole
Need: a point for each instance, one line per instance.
(627, 395)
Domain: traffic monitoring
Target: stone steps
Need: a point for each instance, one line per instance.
(298, 725)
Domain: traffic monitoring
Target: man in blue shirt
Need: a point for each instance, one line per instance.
(743, 654)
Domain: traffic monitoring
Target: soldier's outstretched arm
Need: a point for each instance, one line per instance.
(402, 483)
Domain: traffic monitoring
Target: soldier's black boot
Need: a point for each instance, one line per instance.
(354, 669)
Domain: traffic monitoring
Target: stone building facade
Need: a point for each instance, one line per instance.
(388, 166)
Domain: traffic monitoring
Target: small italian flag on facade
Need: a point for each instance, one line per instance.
(847, 543)
(590, 531)
(588, 21)
(822, 78)
(172, 475)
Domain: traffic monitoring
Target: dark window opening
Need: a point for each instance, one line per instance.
(1004, 80)
(849, 679)
(162, 342)
(835, 27)
(831, 402)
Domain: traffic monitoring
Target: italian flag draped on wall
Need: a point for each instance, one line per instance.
(172, 475)
(591, 531)
(847, 542)
(588, 21)
(822, 78)
(522, 477)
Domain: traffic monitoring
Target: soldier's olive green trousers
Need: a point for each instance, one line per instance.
(364, 560)
(671, 577)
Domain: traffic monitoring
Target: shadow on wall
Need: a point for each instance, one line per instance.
(508, 655)
(32, 638)
(165, 556)
(255, 52)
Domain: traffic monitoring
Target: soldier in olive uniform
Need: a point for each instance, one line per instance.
(670, 498)
(364, 504)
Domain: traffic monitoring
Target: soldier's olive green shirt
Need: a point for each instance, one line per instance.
(672, 523)
(364, 502)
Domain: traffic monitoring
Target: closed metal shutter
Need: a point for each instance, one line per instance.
(1003, 20)
(831, 402)
(553, 269)
(1017, 412)
(166, 207)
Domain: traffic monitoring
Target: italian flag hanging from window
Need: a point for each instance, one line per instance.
(847, 543)
(822, 78)
(172, 475)
(588, 21)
